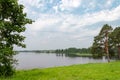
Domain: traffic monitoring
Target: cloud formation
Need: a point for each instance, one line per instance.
(69, 4)
(67, 23)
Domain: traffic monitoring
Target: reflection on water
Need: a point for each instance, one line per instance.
(44, 60)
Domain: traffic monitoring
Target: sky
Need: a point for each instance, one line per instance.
(61, 24)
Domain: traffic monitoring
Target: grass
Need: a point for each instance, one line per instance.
(84, 55)
(80, 55)
(96, 71)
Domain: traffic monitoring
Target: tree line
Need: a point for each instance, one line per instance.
(73, 50)
(107, 42)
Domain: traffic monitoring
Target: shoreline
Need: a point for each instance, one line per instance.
(90, 71)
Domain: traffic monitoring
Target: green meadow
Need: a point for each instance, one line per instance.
(91, 71)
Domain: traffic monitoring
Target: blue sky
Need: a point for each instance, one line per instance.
(62, 24)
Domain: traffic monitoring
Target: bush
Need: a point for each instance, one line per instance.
(6, 62)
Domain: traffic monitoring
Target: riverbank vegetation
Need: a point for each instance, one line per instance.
(85, 52)
(71, 52)
(107, 42)
(97, 71)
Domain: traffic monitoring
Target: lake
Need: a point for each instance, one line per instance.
(44, 60)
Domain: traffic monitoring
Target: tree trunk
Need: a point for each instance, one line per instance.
(107, 53)
(106, 47)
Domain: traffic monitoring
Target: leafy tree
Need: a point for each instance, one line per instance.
(101, 42)
(115, 39)
(12, 23)
(97, 49)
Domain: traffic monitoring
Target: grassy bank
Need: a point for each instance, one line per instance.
(78, 54)
(83, 55)
(98, 71)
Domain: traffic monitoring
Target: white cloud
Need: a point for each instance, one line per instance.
(101, 16)
(69, 4)
(69, 22)
(108, 3)
(69, 28)
(55, 8)
(45, 21)
(33, 3)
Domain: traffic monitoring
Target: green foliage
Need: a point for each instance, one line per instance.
(97, 51)
(99, 71)
(71, 52)
(101, 42)
(12, 23)
(115, 39)
(113, 42)
(6, 60)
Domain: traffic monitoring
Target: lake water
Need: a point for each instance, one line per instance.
(45, 60)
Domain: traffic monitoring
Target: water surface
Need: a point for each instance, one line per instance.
(45, 60)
